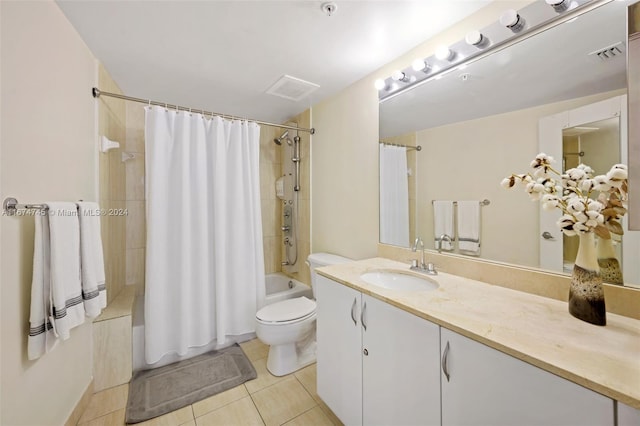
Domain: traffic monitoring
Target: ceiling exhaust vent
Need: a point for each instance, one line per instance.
(292, 88)
(609, 52)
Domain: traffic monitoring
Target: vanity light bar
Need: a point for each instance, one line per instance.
(530, 20)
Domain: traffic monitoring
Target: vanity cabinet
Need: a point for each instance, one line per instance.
(485, 386)
(377, 364)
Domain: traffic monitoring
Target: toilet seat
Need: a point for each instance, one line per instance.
(286, 311)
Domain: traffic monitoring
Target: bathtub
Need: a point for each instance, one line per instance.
(278, 287)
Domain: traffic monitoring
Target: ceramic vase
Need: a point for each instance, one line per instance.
(610, 271)
(586, 295)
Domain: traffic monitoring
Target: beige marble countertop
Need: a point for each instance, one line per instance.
(532, 328)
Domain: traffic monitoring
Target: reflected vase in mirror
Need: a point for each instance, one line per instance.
(586, 295)
(610, 270)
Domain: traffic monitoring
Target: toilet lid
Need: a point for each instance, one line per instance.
(287, 310)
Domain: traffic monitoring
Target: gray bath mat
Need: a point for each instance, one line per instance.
(153, 393)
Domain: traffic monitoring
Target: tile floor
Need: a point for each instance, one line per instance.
(267, 400)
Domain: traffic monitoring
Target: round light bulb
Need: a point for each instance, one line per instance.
(397, 75)
(443, 53)
(512, 20)
(474, 38)
(559, 5)
(380, 84)
(420, 65)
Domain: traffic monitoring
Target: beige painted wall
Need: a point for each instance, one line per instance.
(467, 161)
(48, 149)
(345, 150)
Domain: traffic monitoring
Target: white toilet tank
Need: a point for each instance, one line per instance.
(316, 260)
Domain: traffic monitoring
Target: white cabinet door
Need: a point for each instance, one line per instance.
(400, 366)
(339, 349)
(628, 416)
(488, 387)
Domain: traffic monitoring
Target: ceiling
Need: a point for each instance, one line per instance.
(222, 56)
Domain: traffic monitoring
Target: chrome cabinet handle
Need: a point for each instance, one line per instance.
(547, 236)
(362, 320)
(353, 314)
(365, 352)
(445, 362)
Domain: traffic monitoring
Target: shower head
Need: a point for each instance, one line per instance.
(284, 136)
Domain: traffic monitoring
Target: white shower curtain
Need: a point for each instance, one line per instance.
(394, 196)
(204, 262)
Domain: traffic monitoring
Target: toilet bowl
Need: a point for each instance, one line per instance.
(289, 326)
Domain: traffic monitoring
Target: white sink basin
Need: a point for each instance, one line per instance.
(394, 280)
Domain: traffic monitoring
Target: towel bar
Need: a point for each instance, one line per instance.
(484, 202)
(11, 206)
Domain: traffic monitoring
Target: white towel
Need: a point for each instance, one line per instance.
(469, 227)
(66, 290)
(94, 291)
(443, 223)
(41, 338)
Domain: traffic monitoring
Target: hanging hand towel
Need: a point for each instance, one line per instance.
(443, 223)
(42, 338)
(469, 227)
(66, 290)
(94, 291)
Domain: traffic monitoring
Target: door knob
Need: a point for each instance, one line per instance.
(547, 236)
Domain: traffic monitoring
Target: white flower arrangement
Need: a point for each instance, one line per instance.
(572, 195)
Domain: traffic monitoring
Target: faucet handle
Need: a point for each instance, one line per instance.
(431, 269)
(414, 264)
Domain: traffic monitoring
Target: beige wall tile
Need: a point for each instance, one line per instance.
(135, 261)
(271, 247)
(112, 352)
(205, 406)
(283, 401)
(136, 225)
(117, 175)
(105, 402)
(270, 217)
(135, 177)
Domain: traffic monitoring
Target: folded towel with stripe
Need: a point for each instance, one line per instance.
(68, 274)
(469, 227)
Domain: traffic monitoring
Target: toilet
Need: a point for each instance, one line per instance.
(289, 326)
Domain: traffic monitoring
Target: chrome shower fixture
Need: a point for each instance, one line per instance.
(284, 136)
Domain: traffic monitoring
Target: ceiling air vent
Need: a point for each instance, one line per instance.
(609, 52)
(292, 88)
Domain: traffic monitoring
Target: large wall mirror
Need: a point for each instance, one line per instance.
(479, 124)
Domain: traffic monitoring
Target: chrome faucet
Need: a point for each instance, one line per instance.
(427, 268)
(444, 237)
(422, 265)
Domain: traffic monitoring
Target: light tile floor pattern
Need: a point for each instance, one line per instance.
(267, 400)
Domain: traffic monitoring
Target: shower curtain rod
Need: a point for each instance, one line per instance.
(97, 93)
(409, 147)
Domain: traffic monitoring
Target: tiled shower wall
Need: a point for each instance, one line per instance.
(112, 184)
(135, 197)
